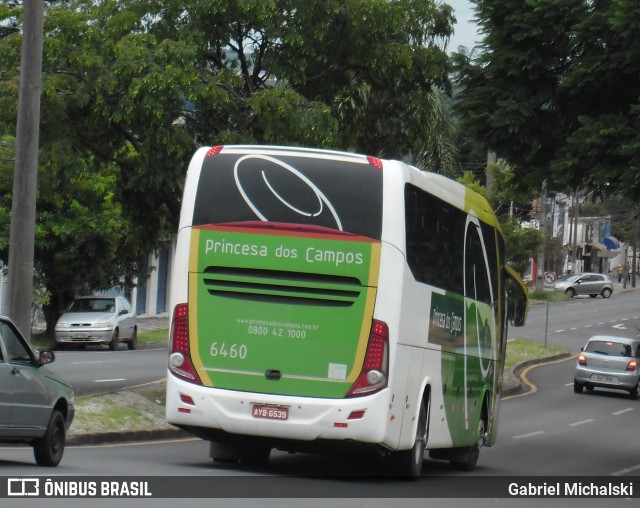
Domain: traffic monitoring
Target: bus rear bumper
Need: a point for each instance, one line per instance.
(200, 409)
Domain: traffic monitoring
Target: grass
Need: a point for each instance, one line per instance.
(140, 408)
(521, 350)
(544, 296)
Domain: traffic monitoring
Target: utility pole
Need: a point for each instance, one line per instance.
(492, 159)
(25, 171)
(635, 248)
(543, 230)
(576, 213)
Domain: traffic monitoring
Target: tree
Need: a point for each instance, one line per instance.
(356, 75)
(132, 87)
(521, 243)
(553, 90)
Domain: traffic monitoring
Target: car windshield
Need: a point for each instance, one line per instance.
(608, 347)
(93, 305)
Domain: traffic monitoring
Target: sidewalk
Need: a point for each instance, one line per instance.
(619, 287)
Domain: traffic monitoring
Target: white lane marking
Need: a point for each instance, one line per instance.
(91, 363)
(625, 471)
(559, 331)
(531, 434)
(109, 380)
(588, 326)
(575, 424)
(622, 411)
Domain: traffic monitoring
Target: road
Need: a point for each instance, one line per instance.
(97, 370)
(549, 433)
(569, 324)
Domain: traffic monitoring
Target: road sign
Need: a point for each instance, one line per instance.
(549, 280)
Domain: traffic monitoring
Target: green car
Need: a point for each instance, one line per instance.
(36, 405)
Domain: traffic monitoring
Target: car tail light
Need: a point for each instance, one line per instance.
(582, 360)
(632, 365)
(179, 356)
(374, 374)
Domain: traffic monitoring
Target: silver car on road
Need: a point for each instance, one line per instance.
(592, 284)
(609, 362)
(98, 320)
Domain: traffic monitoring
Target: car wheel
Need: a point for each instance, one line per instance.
(570, 292)
(606, 293)
(113, 345)
(49, 448)
(133, 341)
(577, 387)
(408, 463)
(633, 394)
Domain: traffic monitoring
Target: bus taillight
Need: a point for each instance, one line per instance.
(374, 161)
(375, 368)
(179, 357)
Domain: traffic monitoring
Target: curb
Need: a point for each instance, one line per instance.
(516, 387)
(102, 438)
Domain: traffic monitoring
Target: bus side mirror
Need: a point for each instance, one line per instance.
(517, 298)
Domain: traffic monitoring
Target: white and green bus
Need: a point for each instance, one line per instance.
(323, 298)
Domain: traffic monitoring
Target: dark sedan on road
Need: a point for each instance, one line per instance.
(36, 405)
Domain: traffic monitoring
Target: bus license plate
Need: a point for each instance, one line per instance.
(270, 412)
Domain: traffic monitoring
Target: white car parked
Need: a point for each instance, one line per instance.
(98, 320)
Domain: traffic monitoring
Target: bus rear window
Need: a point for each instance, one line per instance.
(294, 189)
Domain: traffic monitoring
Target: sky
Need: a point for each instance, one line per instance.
(465, 29)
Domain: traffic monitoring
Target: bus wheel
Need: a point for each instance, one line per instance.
(408, 463)
(469, 458)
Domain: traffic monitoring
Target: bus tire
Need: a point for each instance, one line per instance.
(408, 463)
(468, 459)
